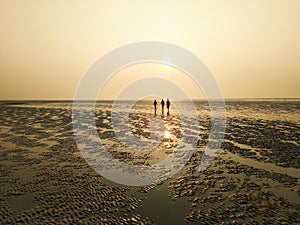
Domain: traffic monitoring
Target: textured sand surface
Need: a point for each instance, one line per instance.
(255, 178)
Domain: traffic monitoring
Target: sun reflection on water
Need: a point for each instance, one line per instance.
(167, 134)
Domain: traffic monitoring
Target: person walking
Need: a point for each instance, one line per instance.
(155, 104)
(168, 106)
(162, 105)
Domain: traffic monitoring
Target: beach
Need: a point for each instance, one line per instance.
(255, 177)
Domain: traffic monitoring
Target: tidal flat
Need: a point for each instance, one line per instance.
(44, 178)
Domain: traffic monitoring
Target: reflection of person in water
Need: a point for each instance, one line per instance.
(162, 105)
(168, 106)
(155, 104)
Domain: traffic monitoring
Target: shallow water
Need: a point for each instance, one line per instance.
(255, 178)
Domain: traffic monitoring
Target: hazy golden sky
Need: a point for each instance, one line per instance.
(252, 47)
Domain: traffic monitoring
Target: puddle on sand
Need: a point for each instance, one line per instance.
(158, 205)
(263, 165)
(23, 202)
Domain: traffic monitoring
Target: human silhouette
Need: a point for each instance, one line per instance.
(162, 105)
(168, 106)
(155, 104)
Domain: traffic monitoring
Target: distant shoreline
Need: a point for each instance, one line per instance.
(16, 102)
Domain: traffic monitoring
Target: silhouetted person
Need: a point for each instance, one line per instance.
(162, 105)
(168, 106)
(155, 104)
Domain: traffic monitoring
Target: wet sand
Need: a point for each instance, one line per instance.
(254, 179)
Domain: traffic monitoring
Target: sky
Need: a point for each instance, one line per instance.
(252, 47)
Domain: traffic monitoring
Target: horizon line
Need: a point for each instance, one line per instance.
(193, 99)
